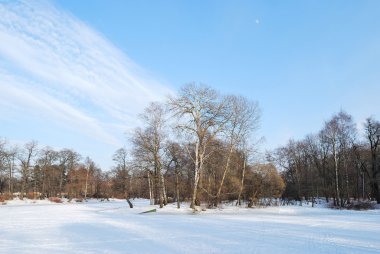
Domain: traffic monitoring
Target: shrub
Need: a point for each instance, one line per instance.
(5, 197)
(355, 205)
(55, 200)
(360, 205)
(33, 195)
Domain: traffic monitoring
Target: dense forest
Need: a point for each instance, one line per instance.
(201, 146)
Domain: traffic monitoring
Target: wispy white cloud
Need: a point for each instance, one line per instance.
(54, 65)
(27, 100)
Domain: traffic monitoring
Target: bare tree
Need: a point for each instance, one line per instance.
(46, 160)
(67, 160)
(90, 168)
(148, 147)
(25, 158)
(10, 158)
(331, 132)
(243, 119)
(372, 131)
(120, 157)
(202, 114)
(3, 156)
(340, 132)
(319, 150)
(175, 153)
(7, 161)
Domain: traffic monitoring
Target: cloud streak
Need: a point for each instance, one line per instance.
(54, 65)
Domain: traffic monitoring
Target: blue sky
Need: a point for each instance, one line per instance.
(76, 73)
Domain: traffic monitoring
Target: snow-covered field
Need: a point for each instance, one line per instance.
(112, 227)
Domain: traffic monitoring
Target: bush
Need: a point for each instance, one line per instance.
(55, 200)
(355, 205)
(33, 195)
(5, 197)
(360, 205)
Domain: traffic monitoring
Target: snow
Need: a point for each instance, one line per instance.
(112, 227)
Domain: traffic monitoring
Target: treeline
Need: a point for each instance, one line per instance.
(44, 172)
(195, 147)
(338, 163)
(199, 146)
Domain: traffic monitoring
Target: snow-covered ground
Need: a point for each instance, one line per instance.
(112, 227)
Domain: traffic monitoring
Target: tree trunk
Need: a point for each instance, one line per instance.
(130, 188)
(376, 191)
(43, 181)
(226, 167)
(165, 197)
(375, 187)
(374, 184)
(336, 174)
(209, 199)
(150, 190)
(129, 203)
(158, 179)
(10, 189)
(177, 188)
(61, 180)
(347, 181)
(196, 176)
(23, 187)
(238, 202)
(85, 189)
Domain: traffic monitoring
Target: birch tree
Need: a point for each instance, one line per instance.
(339, 132)
(202, 114)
